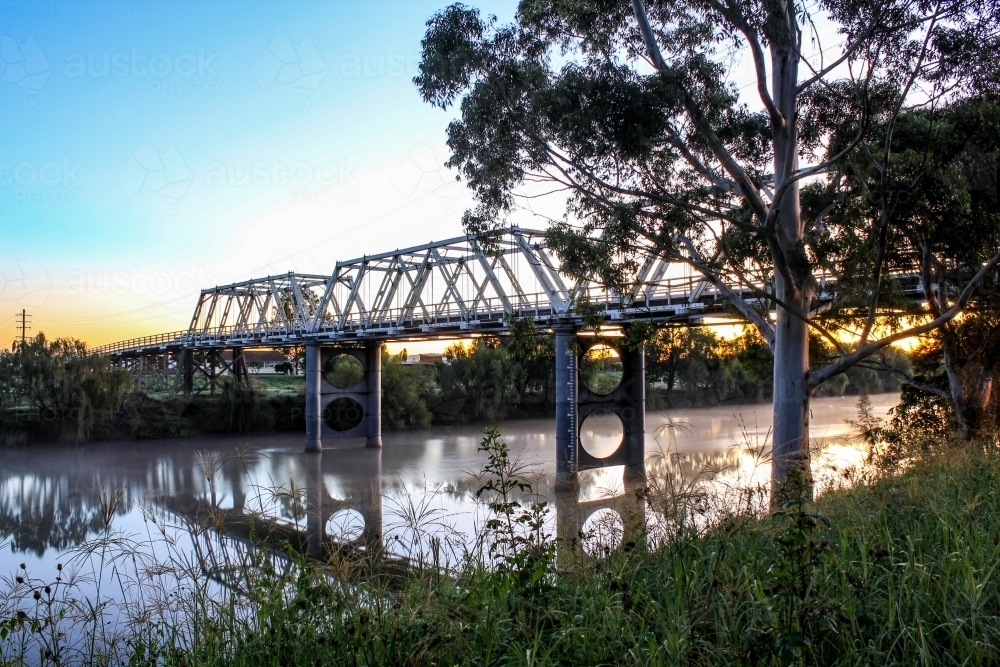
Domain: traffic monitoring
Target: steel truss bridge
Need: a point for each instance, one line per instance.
(445, 289)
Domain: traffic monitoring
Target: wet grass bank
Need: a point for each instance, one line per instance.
(899, 569)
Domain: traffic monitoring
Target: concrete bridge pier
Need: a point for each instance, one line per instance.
(314, 411)
(633, 414)
(575, 402)
(567, 428)
(373, 377)
(343, 412)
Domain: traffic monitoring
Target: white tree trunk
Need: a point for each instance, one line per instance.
(790, 466)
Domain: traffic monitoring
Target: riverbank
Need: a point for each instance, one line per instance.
(898, 570)
(53, 390)
(143, 416)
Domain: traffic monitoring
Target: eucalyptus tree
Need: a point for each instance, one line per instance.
(939, 198)
(632, 110)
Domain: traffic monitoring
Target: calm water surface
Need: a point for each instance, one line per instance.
(50, 496)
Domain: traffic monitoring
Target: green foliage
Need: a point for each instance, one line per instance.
(694, 367)
(246, 408)
(404, 391)
(794, 618)
(65, 390)
(343, 371)
(601, 369)
(707, 370)
(484, 377)
(514, 535)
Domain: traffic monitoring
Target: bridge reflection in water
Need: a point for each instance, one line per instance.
(217, 506)
(354, 500)
(315, 524)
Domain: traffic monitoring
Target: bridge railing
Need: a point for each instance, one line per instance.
(137, 343)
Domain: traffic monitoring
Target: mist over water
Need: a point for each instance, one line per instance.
(50, 495)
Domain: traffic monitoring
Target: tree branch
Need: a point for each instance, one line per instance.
(698, 261)
(648, 38)
(821, 376)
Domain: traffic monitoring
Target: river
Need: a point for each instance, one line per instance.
(418, 488)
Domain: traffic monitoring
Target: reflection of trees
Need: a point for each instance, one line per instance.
(39, 513)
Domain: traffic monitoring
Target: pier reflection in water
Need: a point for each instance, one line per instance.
(413, 496)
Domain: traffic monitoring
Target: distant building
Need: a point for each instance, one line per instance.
(424, 358)
(263, 361)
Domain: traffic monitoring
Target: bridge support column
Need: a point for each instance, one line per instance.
(314, 415)
(238, 368)
(627, 402)
(187, 372)
(634, 413)
(374, 409)
(567, 428)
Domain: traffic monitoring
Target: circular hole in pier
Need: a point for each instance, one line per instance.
(343, 414)
(343, 371)
(601, 433)
(601, 369)
(345, 526)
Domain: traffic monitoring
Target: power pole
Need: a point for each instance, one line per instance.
(25, 324)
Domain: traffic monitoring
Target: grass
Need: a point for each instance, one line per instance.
(276, 384)
(899, 569)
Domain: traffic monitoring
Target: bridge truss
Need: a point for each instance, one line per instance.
(450, 287)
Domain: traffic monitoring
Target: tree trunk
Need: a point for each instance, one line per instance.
(791, 476)
(987, 379)
(959, 396)
(791, 473)
(672, 366)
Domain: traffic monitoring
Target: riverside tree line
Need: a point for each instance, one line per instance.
(54, 390)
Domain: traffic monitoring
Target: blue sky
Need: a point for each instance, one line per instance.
(149, 149)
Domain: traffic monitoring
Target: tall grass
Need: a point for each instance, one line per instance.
(899, 568)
